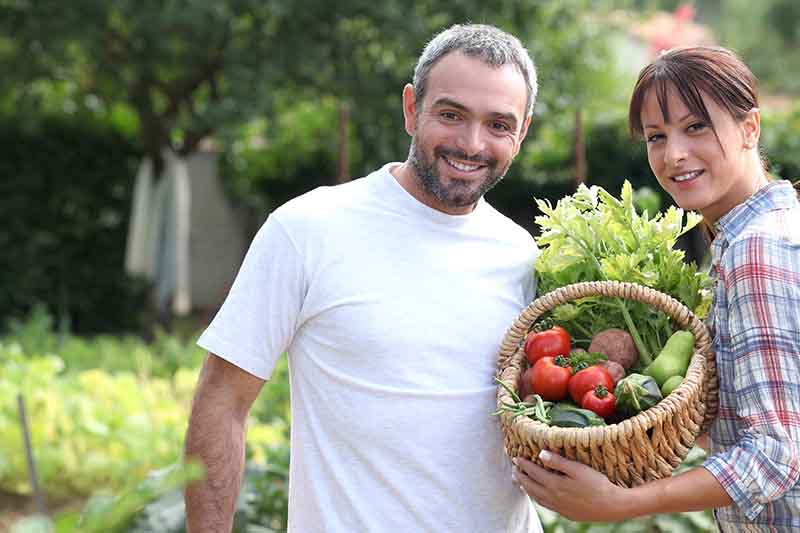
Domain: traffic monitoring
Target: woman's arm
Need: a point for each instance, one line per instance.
(580, 493)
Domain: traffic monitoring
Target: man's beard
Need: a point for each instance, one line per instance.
(457, 193)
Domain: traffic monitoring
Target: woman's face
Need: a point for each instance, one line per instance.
(690, 163)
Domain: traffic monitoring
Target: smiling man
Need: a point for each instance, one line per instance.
(467, 118)
(391, 295)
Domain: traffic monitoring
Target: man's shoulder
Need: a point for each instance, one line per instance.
(504, 225)
(326, 200)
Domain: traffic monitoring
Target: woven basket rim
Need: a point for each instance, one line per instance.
(699, 362)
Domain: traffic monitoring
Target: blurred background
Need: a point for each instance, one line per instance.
(142, 144)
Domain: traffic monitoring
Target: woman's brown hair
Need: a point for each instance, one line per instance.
(715, 71)
(692, 71)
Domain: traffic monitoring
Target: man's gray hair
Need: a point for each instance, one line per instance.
(491, 45)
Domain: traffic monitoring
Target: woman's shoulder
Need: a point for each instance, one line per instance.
(772, 238)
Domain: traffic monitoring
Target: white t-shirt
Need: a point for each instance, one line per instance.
(392, 314)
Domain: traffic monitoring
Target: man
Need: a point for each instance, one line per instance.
(391, 295)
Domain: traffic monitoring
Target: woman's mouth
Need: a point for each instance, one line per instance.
(680, 178)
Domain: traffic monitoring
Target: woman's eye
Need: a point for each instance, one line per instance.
(654, 138)
(697, 126)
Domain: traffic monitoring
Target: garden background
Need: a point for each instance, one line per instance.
(263, 100)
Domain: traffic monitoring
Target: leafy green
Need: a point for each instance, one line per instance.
(594, 236)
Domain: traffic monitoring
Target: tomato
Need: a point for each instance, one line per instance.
(587, 379)
(548, 343)
(550, 377)
(599, 401)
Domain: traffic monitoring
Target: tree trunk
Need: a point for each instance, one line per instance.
(342, 171)
(580, 150)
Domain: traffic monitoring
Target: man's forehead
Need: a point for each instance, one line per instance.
(469, 80)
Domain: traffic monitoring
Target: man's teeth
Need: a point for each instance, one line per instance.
(462, 167)
(688, 176)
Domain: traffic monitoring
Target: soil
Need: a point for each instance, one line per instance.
(14, 507)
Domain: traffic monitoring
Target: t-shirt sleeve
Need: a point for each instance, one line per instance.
(258, 319)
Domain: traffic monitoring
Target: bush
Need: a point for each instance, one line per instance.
(64, 208)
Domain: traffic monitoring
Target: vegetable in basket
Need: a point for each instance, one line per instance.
(587, 379)
(674, 357)
(600, 401)
(550, 342)
(593, 236)
(636, 393)
(550, 378)
(567, 416)
(617, 344)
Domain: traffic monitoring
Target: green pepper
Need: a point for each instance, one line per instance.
(567, 416)
(636, 393)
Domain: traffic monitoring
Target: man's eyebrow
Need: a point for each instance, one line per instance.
(449, 102)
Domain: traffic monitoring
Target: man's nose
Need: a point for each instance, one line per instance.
(471, 139)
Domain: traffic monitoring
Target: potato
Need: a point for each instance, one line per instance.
(617, 345)
(615, 369)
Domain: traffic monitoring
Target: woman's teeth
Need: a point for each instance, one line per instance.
(688, 175)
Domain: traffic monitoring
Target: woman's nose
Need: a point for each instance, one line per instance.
(676, 152)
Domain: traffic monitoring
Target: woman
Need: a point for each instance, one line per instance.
(697, 110)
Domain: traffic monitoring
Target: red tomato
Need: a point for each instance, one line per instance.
(587, 379)
(548, 343)
(599, 401)
(550, 378)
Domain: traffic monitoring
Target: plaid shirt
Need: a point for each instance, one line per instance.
(755, 324)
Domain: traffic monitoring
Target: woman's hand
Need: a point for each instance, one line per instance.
(575, 490)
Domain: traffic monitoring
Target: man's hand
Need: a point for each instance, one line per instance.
(574, 490)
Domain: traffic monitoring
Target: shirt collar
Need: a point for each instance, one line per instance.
(775, 195)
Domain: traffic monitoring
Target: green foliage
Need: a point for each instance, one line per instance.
(95, 429)
(592, 235)
(780, 140)
(162, 357)
(107, 513)
(64, 203)
(270, 161)
(90, 429)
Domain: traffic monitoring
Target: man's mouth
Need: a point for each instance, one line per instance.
(461, 166)
(687, 176)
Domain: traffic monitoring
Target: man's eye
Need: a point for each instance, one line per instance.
(448, 115)
(500, 126)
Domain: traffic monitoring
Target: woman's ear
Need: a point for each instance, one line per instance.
(751, 128)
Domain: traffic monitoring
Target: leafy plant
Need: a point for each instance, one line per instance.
(591, 235)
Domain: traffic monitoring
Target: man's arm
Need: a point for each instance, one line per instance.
(215, 437)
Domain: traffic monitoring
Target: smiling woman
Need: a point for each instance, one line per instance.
(697, 110)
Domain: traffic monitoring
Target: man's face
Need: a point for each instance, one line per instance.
(465, 132)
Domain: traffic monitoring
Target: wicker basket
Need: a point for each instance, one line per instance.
(645, 447)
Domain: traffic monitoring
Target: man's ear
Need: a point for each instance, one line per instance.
(410, 109)
(522, 133)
